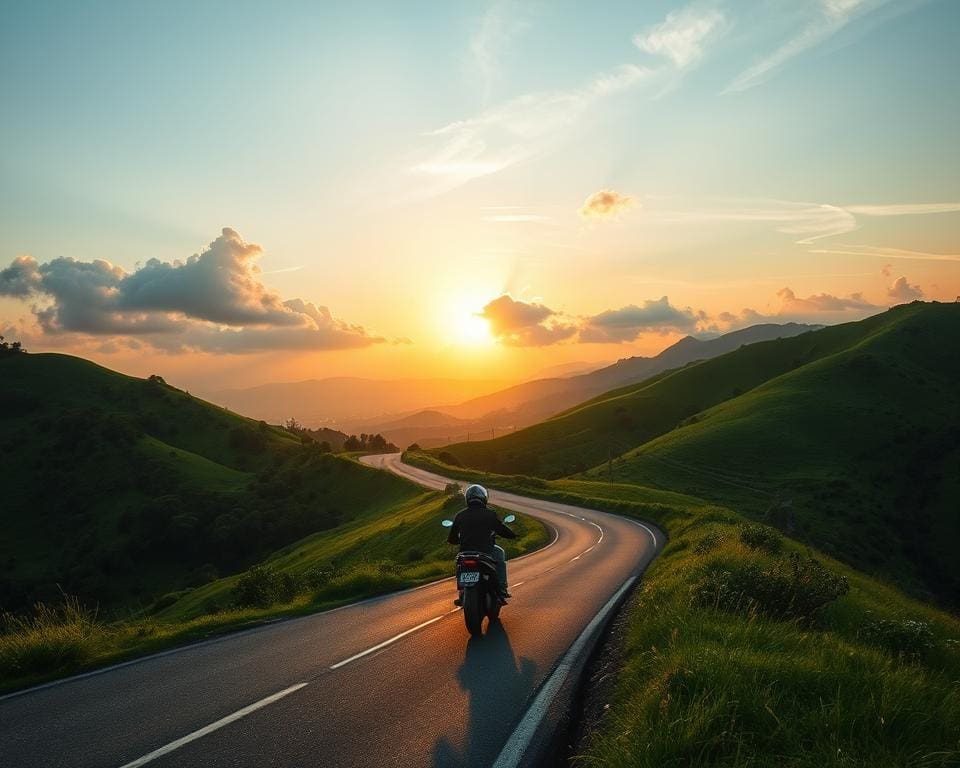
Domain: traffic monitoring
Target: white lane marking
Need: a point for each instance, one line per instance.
(519, 583)
(165, 750)
(521, 737)
(652, 534)
(392, 640)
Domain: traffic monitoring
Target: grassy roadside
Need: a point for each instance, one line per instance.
(386, 550)
(746, 648)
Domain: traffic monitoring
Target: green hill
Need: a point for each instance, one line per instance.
(118, 489)
(857, 452)
(848, 436)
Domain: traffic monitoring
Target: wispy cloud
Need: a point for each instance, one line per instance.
(515, 130)
(809, 222)
(497, 27)
(683, 35)
(904, 209)
(886, 253)
(828, 18)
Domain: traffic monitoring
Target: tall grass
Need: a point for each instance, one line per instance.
(728, 683)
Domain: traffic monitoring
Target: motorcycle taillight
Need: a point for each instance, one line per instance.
(469, 563)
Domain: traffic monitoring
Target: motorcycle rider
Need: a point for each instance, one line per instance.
(474, 529)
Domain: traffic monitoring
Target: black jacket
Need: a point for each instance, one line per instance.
(475, 527)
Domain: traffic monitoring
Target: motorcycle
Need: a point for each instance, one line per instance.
(478, 583)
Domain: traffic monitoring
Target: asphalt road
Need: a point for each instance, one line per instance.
(393, 681)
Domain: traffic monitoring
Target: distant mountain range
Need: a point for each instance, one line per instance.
(438, 411)
(532, 401)
(345, 402)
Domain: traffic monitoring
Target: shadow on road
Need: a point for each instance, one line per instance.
(495, 684)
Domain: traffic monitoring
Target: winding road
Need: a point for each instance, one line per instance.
(391, 681)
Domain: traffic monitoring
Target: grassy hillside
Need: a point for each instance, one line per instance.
(624, 418)
(118, 489)
(857, 452)
(745, 648)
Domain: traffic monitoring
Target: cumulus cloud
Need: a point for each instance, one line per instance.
(605, 204)
(627, 323)
(213, 301)
(901, 291)
(821, 302)
(21, 278)
(525, 324)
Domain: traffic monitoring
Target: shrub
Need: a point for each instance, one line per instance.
(261, 587)
(761, 537)
(794, 587)
(452, 489)
(415, 554)
(448, 458)
(321, 575)
(709, 542)
(907, 638)
(54, 638)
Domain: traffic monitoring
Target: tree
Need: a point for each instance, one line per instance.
(10, 348)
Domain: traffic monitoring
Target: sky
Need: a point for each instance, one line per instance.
(236, 193)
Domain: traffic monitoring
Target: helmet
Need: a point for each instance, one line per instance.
(475, 493)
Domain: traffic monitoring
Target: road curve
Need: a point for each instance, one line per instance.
(392, 681)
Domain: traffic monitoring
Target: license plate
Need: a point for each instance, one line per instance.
(470, 577)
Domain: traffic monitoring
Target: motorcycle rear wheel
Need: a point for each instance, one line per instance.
(472, 613)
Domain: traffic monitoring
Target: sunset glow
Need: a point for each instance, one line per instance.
(403, 202)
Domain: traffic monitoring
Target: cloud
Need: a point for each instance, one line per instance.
(885, 271)
(605, 204)
(516, 130)
(214, 301)
(822, 302)
(807, 221)
(887, 253)
(829, 17)
(903, 209)
(511, 132)
(21, 278)
(524, 324)
(498, 26)
(901, 291)
(682, 35)
(627, 323)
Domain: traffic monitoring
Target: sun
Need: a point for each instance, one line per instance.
(469, 328)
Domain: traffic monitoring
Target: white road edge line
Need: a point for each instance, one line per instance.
(173, 745)
(520, 739)
(392, 640)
